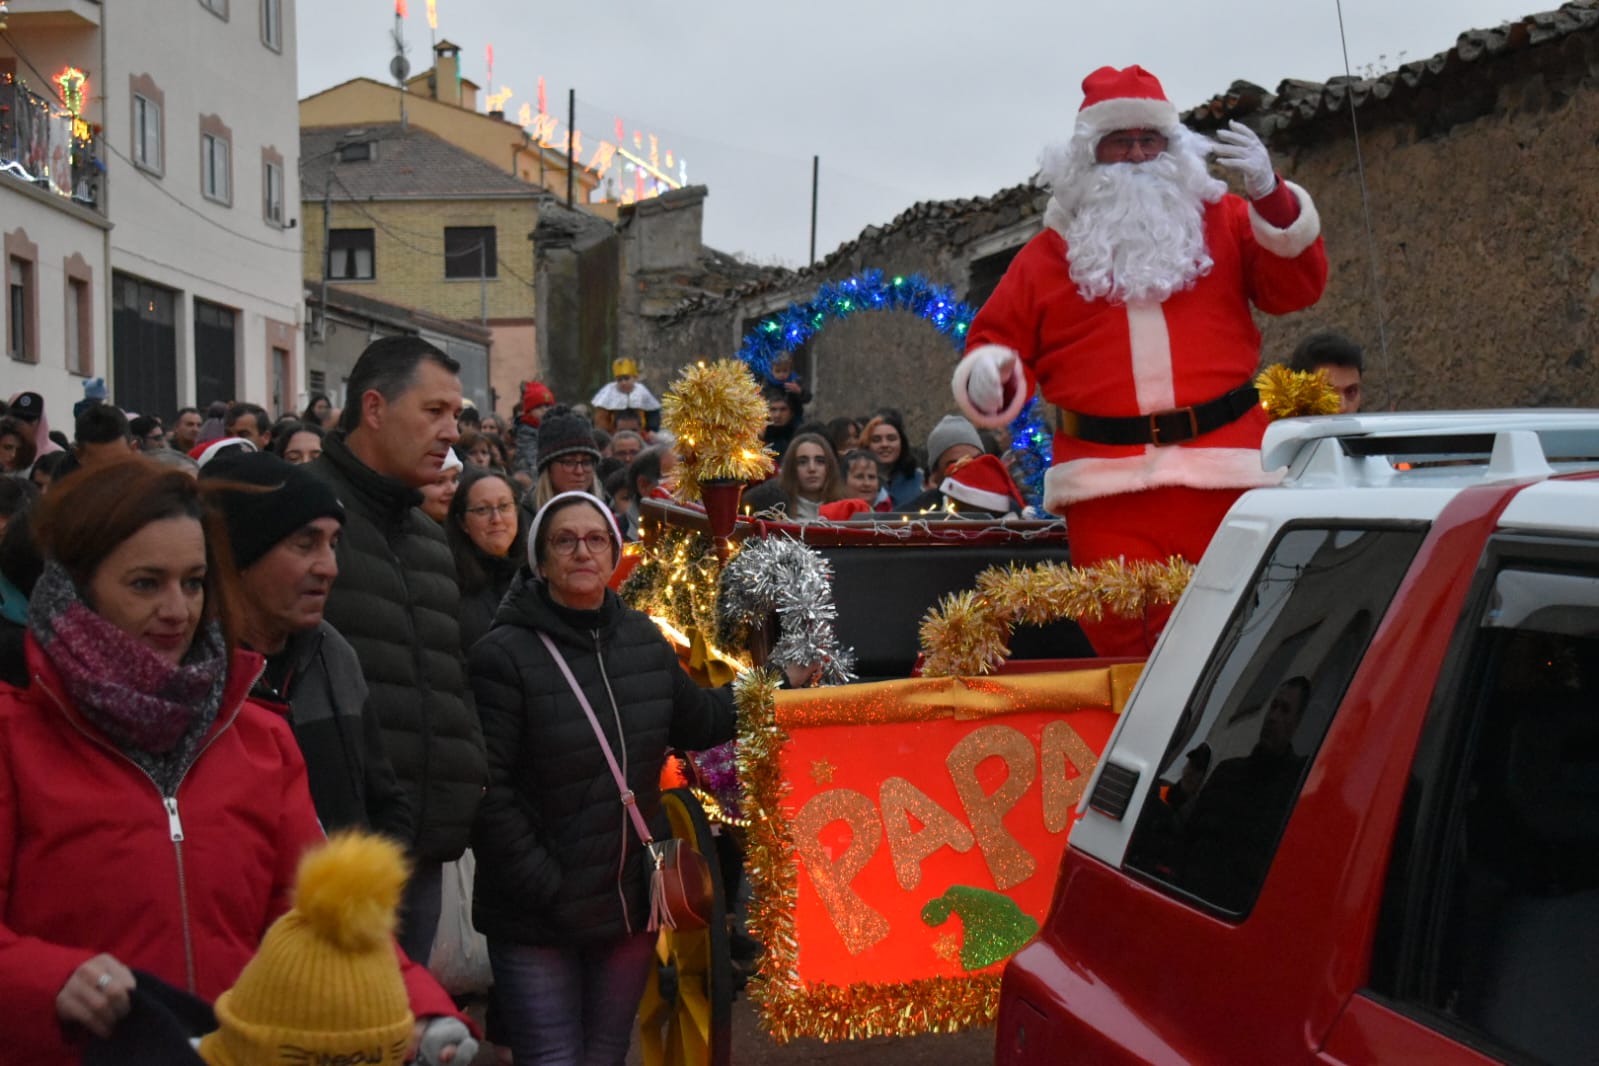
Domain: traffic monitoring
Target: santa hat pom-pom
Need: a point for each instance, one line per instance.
(349, 889)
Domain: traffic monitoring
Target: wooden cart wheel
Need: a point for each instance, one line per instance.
(686, 1018)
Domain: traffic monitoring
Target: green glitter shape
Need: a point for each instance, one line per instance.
(995, 927)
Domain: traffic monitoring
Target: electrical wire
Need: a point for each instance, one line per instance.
(1365, 212)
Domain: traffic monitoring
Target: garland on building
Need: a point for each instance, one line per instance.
(968, 632)
(716, 414)
(871, 290)
(1288, 393)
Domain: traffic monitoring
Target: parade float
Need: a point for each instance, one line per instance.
(902, 820)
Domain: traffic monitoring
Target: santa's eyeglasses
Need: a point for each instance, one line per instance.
(1121, 145)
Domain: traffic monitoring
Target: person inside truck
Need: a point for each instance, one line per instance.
(1179, 798)
(1233, 827)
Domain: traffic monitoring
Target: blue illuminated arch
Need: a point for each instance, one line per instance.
(786, 330)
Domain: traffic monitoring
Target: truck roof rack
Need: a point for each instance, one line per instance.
(1380, 449)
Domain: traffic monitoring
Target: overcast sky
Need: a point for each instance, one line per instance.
(918, 100)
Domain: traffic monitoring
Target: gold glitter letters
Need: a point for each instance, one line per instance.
(1008, 862)
(901, 802)
(1061, 745)
(856, 921)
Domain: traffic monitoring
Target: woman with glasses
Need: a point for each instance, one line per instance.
(568, 457)
(484, 534)
(562, 885)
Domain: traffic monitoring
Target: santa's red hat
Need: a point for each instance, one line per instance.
(982, 481)
(1126, 99)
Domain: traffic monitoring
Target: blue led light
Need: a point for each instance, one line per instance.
(786, 330)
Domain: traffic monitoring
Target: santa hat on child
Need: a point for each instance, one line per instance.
(983, 482)
(1126, 99)
(535, 394)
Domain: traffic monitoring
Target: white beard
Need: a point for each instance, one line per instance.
(1134, 231)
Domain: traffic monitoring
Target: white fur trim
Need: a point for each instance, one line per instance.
(1151, 350)
(1300, 234)
(1017, 384)
(1057, 218)
(1199, 468)
(1128, 113)
(997, 502)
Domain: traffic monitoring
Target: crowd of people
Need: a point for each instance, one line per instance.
(226, 634)
(225, 639)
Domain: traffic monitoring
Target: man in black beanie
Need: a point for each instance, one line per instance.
(283, 525)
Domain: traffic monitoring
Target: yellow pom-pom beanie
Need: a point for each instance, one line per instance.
(325, 985)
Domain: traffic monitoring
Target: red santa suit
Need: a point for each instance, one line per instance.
(1129, 360)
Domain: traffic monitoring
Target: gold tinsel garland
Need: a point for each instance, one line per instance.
(1288, 393)
(716, 414)
(968, 633)
(790, 1008)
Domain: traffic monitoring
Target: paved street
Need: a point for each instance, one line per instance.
(752, 1047)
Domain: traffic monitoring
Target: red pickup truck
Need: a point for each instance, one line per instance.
(1351, 812)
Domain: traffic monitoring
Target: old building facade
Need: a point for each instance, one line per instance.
(173, 269)
(397, 214)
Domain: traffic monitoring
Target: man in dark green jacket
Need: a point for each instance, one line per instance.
(396, 601)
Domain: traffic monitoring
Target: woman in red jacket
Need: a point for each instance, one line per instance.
(151, 817)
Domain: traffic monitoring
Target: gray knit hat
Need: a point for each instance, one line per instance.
(950, 431)
(563, 431)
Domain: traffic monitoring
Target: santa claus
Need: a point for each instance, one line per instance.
(1130, 312)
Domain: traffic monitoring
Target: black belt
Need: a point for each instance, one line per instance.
(1162, 427)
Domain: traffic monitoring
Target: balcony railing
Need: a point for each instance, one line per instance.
(44, 145)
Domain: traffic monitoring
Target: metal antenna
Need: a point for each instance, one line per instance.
(1365, 212)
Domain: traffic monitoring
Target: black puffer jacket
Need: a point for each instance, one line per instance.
(396, 602)
(558, 860)
(316, 683)
(478, 605)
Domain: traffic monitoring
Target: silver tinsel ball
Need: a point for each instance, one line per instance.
(783, 575)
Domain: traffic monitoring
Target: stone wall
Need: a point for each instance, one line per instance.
(1483, 197)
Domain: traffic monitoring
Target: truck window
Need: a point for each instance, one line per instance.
(1503, 933)
(1250, 731)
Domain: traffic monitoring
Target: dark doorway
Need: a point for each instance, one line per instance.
(144, 346)
(214, 353)
(986, 273)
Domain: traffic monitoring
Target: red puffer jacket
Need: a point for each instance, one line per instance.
(93, 859)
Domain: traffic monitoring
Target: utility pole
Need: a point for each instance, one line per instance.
(327, 253)
(571, 142)
(816, 179)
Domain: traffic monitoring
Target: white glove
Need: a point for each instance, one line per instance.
(985, 382)
(441, 1034)
(1238, 148)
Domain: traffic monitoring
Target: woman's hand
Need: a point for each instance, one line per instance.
(803, 675)
(96, 996)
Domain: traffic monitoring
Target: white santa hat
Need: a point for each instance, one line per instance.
(982, 481)
(1126, 99)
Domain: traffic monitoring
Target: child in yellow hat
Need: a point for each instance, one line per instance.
(325, 985)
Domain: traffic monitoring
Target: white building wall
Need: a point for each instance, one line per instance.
(60, 234)
(166, 232)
